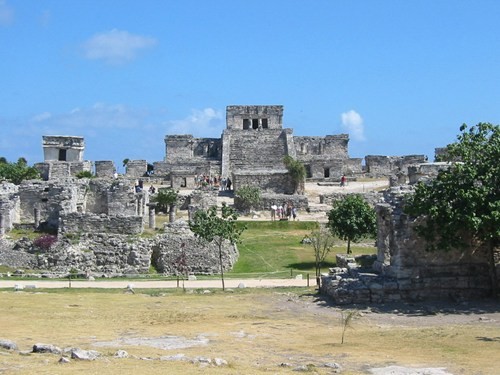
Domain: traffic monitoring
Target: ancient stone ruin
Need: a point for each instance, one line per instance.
(403, 269)
(99, 223)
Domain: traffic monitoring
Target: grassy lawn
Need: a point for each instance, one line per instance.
(273, 249)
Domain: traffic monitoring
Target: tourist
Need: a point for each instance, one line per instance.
(273, 211)
(294, 213)
(342, 180)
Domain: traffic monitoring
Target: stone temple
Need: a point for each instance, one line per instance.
(251, 152)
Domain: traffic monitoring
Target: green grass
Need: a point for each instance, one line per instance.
(273, 249)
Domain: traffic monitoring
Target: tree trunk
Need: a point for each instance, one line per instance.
(493, 269)
(221, 265)
(349, 246)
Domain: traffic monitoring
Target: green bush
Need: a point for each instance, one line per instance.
(247, 197)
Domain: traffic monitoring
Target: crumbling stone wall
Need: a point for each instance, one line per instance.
(380, 166)
(136, 168)
(53, 170)
(44, 202)
(109, 255)
(9, 207)
(51, 199)
(404, 270)
(105, 168)
(425, 171)
(77, 222)
(201, 258)
(279, 182)
(268, 199)
(421, 274)
(371, 197)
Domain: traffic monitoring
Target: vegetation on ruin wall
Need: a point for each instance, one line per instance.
(18, 171)
(249, 197)
(297, 171)
(461, 206)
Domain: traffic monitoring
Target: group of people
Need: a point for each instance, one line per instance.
(222, 183)
(286, 211)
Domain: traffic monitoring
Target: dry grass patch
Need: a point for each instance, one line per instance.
(253, 330)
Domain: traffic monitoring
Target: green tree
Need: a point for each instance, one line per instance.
(461, 206)
(18, 172)
(352, 219)
(212, 228)
(248, 197)
(297, 171)
(322, 242)
(165, 199)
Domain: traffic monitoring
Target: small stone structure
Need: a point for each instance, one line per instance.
(63, 157)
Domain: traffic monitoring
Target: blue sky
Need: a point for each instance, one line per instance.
(399, 76)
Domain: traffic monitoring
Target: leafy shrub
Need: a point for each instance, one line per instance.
(84, 174)
(45, 242)
(247, 197)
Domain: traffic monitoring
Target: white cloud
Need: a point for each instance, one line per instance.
(116, 46)
(352, 122)
(98, 116)
(6, 14)
(41, 117)
(207, 122)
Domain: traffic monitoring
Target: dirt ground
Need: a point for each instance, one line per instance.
(266, 331)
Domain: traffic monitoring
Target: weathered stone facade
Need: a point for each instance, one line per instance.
(105, 168)
(384, 166)
(63, 148)
(251, 151)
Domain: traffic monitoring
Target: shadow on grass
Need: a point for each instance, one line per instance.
(309, 266)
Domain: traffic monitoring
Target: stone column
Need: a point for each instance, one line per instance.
(36, 214)
(2, 226)
(191, 211)
(152, 217)
(171, 213)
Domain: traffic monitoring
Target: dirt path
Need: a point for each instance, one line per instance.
(190, 284)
